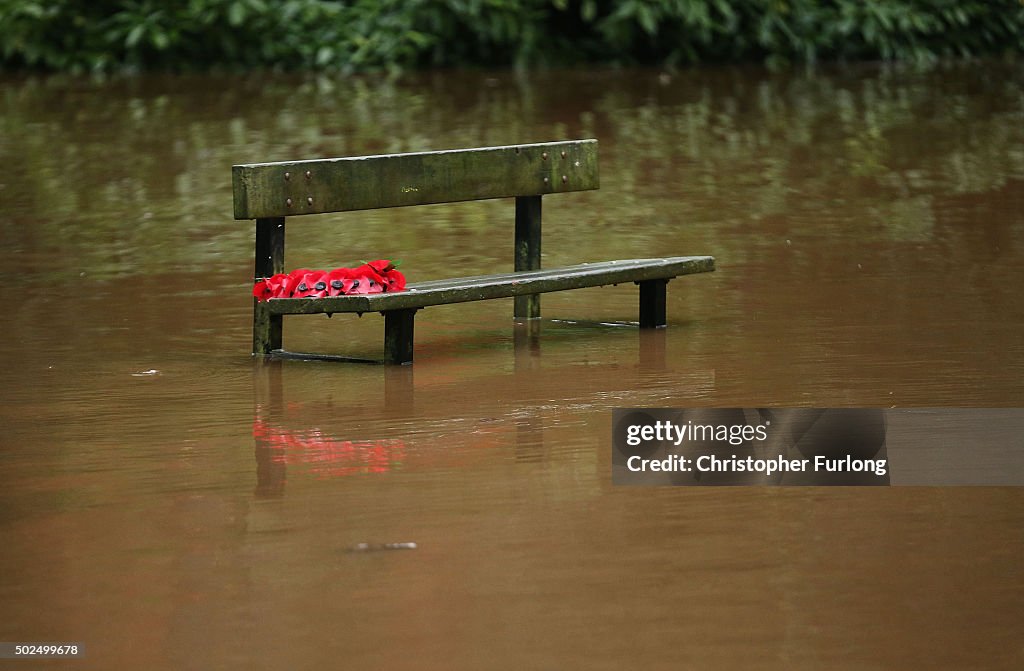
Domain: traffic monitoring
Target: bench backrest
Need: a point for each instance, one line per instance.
(265, 190)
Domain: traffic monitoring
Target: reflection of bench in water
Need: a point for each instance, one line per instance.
(436, 418)
(270, 192)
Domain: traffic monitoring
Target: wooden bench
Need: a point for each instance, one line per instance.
(271, 192)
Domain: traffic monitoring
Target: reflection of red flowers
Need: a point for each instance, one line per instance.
(327, 455)
(370, 278)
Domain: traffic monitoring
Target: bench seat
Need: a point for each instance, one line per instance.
(399, 308)
(506, 285)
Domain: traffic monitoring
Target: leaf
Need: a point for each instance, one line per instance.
(135, 35)
(588, 11)
(236, 14)
(33, 10)
(160, 39)
(419, 39)
(645, 15)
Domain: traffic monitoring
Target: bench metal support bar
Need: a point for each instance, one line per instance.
(267, 328)
(398, 336)
(527, 251)
(652, 304)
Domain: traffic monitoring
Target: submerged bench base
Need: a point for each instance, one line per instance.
(399, 309)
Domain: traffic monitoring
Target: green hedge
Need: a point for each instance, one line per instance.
(102, 35)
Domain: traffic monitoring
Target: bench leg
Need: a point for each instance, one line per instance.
(266, 330)
(398, 336)
(652, 304)
(527, 252)
(526, 307)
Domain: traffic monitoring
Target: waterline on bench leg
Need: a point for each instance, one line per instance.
(266, 330)
(652, 304)
(526, 308)
(398, 336)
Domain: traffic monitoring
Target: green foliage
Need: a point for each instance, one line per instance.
(809, 30)
(369, 34)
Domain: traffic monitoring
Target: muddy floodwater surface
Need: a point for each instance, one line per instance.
(168, 502)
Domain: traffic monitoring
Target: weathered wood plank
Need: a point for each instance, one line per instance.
(485, 287)
(394, 180)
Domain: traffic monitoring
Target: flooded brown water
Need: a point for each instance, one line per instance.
(170, 503)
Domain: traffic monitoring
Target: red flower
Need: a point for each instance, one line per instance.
(370, 278)
(262, 291)
(339, 281)
(383, 272)
(395, 280)
(313, 284)
(379, 266)
(286, 288)
(276, 285)
(366, 282)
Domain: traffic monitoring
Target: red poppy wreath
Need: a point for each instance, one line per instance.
(374, 277)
